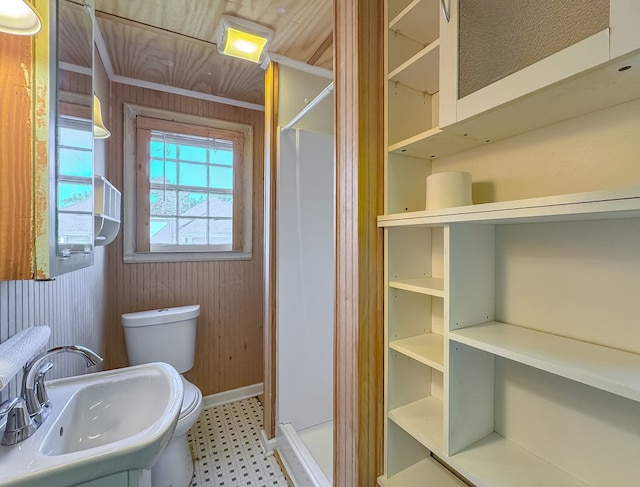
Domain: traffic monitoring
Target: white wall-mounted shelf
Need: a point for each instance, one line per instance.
(497, 462)
(601, 367)
(418, 20)
(427, 349)
(422, 419)
(621, 203)
(420, 72)
(432, 286)
(418, 473)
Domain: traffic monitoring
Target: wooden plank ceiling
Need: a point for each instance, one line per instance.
(172, 42)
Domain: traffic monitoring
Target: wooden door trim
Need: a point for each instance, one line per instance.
(359, 129)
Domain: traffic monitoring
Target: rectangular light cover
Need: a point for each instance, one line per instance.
(243, 45)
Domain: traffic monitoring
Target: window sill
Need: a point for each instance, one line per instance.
(137, 258)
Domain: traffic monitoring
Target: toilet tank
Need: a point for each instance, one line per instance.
(162, 335)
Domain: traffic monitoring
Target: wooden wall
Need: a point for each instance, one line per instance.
(229, 339)
(359, 112)
(16, 162)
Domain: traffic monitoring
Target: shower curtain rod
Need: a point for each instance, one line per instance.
(323, 94)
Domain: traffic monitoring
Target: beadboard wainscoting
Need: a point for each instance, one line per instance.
(230, 293)
(73, 306)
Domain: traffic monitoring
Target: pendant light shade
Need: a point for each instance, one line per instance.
(19, 17)
(99, 130)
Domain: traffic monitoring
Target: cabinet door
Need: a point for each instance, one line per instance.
(448, 63)
(507, 50)
(625, 27)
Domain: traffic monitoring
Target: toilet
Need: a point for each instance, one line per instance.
(169, 335)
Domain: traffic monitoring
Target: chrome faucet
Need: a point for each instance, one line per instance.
(25, 413)
(33, 390)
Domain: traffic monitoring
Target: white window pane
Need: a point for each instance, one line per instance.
(75, 196)
(74, 228)
(193, 175)
(161, 150)
(221, 177)
(163, 202)
(163, 172)
(191, 153)
(220, 232)
(192, 231)
(74, 162)
(162, 231)
(221, 205)
(193, 203)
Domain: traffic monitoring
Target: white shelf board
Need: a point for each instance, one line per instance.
(601, 367)
(602, 87)
(496, 462)
(421, 71)
(433, 286)
(419, 21)
(422, 419)
(596, 205)
(433, 143)
(427, 349)
(427, 470)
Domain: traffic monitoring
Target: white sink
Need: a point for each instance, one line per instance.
(100, 424)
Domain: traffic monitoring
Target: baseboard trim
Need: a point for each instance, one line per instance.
(268, 445)
(233, 395)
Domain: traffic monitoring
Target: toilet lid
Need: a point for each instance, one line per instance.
(190, 399)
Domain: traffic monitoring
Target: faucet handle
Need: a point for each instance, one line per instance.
(19, 425)
(38, 385)
(7, 405)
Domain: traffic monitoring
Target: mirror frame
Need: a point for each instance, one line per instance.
(48, 261)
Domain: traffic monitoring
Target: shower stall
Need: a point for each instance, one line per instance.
(305, 284)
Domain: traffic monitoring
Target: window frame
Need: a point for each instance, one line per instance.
(139, 121)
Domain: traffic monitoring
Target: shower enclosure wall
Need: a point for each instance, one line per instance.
(305, 287)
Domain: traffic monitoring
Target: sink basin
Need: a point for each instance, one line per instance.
(102, 423)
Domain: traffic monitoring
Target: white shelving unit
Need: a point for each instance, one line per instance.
(511, 337)
(423, 52)
(537, 389)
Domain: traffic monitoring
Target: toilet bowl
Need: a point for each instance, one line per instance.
(168, 335)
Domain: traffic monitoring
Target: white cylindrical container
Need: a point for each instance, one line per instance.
(162, 335)
(448, 189)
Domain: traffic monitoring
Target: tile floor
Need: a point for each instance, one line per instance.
(225, 442)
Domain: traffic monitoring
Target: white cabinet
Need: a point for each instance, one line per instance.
(512, 343)
(494, 69)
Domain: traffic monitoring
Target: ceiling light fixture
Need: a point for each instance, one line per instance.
(242, 38)
(19, 17)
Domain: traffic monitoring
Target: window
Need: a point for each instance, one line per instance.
(75, 183)
(188, 187)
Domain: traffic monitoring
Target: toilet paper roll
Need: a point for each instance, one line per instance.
(447, 189)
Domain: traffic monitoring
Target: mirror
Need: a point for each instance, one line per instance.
(69, 86)
(74, 137)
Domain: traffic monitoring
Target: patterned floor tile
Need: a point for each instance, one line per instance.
(226, 443)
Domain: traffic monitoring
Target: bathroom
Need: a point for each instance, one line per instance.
(236, 349)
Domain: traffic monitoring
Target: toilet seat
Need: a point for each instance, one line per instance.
(191, 398)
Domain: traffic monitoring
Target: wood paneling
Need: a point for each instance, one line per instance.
(359, 83)
(229, 338)
(270, 214)
(300, 26)
(173, 42)
(16, 171)
(147, 54)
